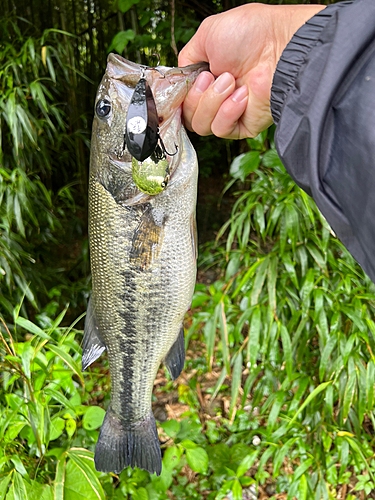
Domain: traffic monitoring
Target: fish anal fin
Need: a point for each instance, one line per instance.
(121, 444)
(93, 345)
(147, 239)
(175, 359)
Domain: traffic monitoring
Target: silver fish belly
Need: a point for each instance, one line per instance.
(143, 262)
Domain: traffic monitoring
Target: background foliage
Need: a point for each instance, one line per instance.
(277, 397)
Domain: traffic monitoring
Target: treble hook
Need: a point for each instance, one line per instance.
(163, 147)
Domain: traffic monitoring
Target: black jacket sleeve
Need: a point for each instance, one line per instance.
(323, 103)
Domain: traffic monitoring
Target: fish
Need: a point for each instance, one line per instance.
(143, 252)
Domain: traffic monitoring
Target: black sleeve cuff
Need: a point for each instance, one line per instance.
(295, 54)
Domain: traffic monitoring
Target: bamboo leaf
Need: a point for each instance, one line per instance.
(325, 355)
(302, 488)
(259, 281)
(249, 273)
(274, 413)
(370, 384)
(289, 266)
(311, 396)
(271, 281)
(287, 349)
(60, 398)
(236, 381)
(254, 333)
(224, 336)
(67, 359)
(32, 328)
(349, 394)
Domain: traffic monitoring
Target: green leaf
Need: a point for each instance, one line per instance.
(67, 359)
(18, 215)
(307, 288)
(244, 164)
(26, 356)
(197, 459)
(349, 394)
(70, 427)
(276, 407)
(236, 381)
(271, 159)
(272, 277)
(246, 463)
(57, 427)
(20, 491)
(224, 336)
(307, 401)
(259, 281)
(140, 494)
(19, 465)
(188, 444)
(86, 466)
(325, 356)
(172, 457)
(237, 490)
(254, 333)
(121, 40)
(287, 349)
(171, 427)
(30, 327)
(93, 418)
(125, 5)
(370, 384)
(249, 273)
(302, 468)
(302, 488)
(4, 486)
(59, 397)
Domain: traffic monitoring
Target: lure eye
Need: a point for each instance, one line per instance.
(103, 108)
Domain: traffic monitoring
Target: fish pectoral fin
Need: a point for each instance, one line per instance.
(175, 359)
(147, 239)
(93, 345)
(194, 235)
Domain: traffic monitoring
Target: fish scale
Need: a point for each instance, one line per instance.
(143, 263)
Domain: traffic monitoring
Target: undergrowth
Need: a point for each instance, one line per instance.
(277, 396)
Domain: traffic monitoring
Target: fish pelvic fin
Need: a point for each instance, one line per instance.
(175, 359)
(93, 345)
(121, 444)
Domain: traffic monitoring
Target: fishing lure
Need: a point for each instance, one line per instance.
(150, 167)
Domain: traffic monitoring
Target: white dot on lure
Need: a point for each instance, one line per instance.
(136, 125)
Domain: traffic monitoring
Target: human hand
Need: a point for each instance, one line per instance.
(242, 47)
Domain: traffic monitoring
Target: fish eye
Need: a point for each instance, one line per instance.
(103, 108)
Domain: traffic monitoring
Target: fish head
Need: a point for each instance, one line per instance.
(169, 87)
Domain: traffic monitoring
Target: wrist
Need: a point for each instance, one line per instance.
(291, 19)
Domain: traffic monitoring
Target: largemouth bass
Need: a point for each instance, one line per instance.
(143, 260)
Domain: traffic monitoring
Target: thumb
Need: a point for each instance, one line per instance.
(194, 51)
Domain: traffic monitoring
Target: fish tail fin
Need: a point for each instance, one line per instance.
(121, 444)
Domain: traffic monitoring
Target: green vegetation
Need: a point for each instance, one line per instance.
(277, 396)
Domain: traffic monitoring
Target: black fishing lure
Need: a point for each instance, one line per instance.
(142, 123)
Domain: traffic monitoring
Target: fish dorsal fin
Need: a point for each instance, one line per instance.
(175, 359)
(93, 345)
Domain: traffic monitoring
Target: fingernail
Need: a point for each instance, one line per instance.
(240, 94)
(223, 83)
(203, 82)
